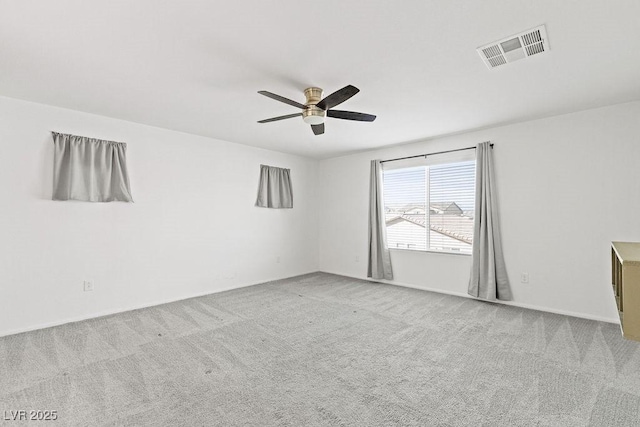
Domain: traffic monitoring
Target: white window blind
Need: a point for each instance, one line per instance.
(429, 204)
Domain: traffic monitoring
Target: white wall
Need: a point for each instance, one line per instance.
(192, 230)
(567, 186)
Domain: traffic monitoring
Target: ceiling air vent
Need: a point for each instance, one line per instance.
(513, 48)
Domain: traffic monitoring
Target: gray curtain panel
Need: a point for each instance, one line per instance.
(379, 258)
(274, 189)
(89, 169)
(489, 279)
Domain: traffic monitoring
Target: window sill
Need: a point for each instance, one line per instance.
(430, 251)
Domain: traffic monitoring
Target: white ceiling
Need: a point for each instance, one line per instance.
(195, 66)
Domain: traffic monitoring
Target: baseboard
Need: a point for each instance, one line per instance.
(137, 307)
(464, 295)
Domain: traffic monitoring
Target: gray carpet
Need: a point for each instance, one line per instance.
(325, 350)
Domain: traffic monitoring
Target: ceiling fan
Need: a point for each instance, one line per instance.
(316, 108)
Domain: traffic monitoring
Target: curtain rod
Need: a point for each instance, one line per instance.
(431, 154)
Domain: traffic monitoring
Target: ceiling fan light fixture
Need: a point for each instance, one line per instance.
(313, 120)
(313, 115)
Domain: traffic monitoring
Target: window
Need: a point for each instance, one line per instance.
(429, 203)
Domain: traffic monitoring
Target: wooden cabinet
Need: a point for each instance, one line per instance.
(625, 278)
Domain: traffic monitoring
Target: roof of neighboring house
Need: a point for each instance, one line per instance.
(440, 206)
(454, 226)
(445, 206)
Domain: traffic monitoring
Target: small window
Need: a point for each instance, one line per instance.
(429, 204)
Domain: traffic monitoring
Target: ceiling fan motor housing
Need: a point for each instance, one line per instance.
(312, 114)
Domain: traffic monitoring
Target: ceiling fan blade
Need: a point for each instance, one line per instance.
(351, 115)
(275, 119)
(282, 99)
(318, 129)
(337, 97)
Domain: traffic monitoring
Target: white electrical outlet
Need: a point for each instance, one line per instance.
(88, 285)
(278, 260)
(357, 258)
(524, 277)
